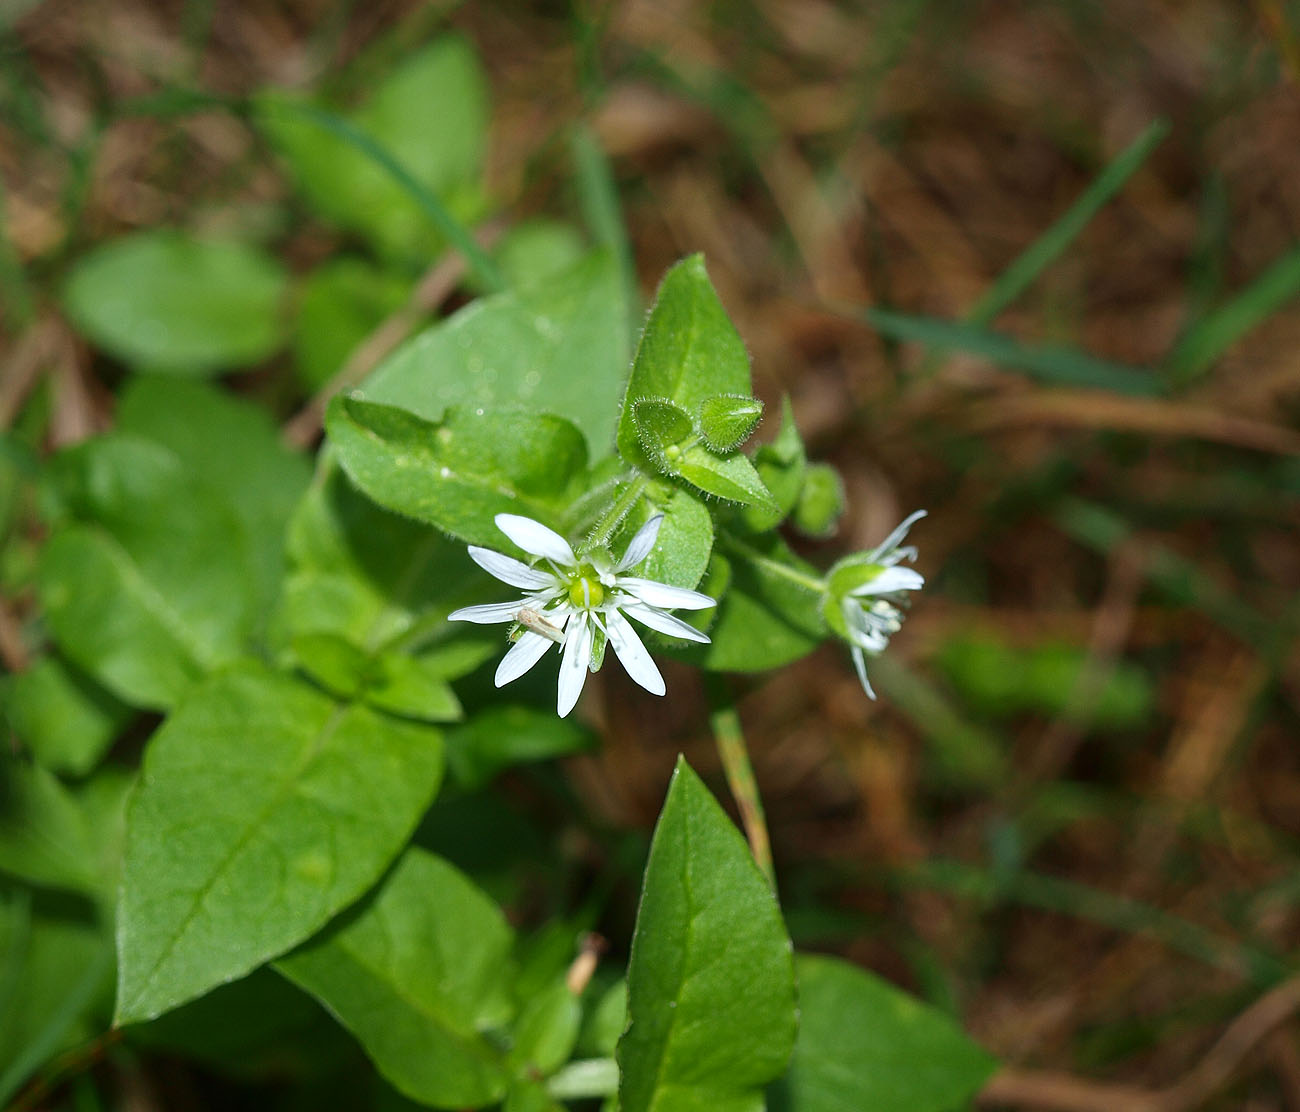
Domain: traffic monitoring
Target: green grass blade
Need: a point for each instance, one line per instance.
(451, 229)
(1205, 342)
(1044, 362)
(1017, 277)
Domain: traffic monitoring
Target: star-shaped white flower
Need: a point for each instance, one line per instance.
(580, 602)
(870, 609)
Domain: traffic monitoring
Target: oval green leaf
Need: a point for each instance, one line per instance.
(264, 809)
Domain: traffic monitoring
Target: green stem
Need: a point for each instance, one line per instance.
(794, 575)
(622, 505)
(730, 739)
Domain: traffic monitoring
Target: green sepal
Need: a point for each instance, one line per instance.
(727, 420)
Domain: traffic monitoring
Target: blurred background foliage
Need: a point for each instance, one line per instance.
(1029, 264)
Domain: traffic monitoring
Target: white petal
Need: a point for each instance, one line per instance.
(891, 579)
(663, 596)
(640, 545)
(508, 570)
(632, 655)
(488, 614)
(523, 654)
(532, 536)
(891, 541)
(663, 623)
(861, 667)
(573, 666)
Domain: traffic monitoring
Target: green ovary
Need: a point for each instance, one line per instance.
(586, 591)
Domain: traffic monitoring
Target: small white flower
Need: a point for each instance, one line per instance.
(580, 602)
(870, 607)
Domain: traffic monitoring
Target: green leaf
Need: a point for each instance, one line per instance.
(864, 1046)
(726, 420)
(497, 737)
(711, 978)
(364, 573)
(264, 809)
(781, 466)
(545, 1032)
(232, 447)
(771, 613)
(536, 251)
(441, 150)
(55, 963)
(151, 588)
(681, 551)
(821, 501)
(166, 300)
(63, 717)
(44, 837)
(689, 351)
(460, 472)
(341, 302)
(559, 347)
(731, 477)
(419, 973)
(388, 681)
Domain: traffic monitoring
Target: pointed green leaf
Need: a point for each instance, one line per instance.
(731, 477)
(62, 716)
(559, 347)
(44, 836)
(460, 472)
(689, 351)
(681, 551)
(711, 978)
(419, 973)
(864, 1046)
(264, 809)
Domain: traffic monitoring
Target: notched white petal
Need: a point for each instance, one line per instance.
(663, 623)
(891, 541)
(641, 543)
(632, 654)
(509, 570)
(532, 536)
(573, 665)
(860, 665)
(664, 596)
(523, 654)
(488, 614)
(891, 579)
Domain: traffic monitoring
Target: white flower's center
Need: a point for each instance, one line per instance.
(586, 590)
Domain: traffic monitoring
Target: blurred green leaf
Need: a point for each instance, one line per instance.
(231, 446)
(150, 587)
(165, 300)
(341, 302)
(781, 465)
(864, 1046)
(44, 837)
(545, 1031)
(460, 472)
(560, 347)
(771, 612)
(497, 737)
(536, 251)
(429, 115)
(63, 717)
(418, 973)
(711, 981)
(264, 809)
(55, 964)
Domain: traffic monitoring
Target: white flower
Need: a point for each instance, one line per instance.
(869, 607)
(580, 602)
